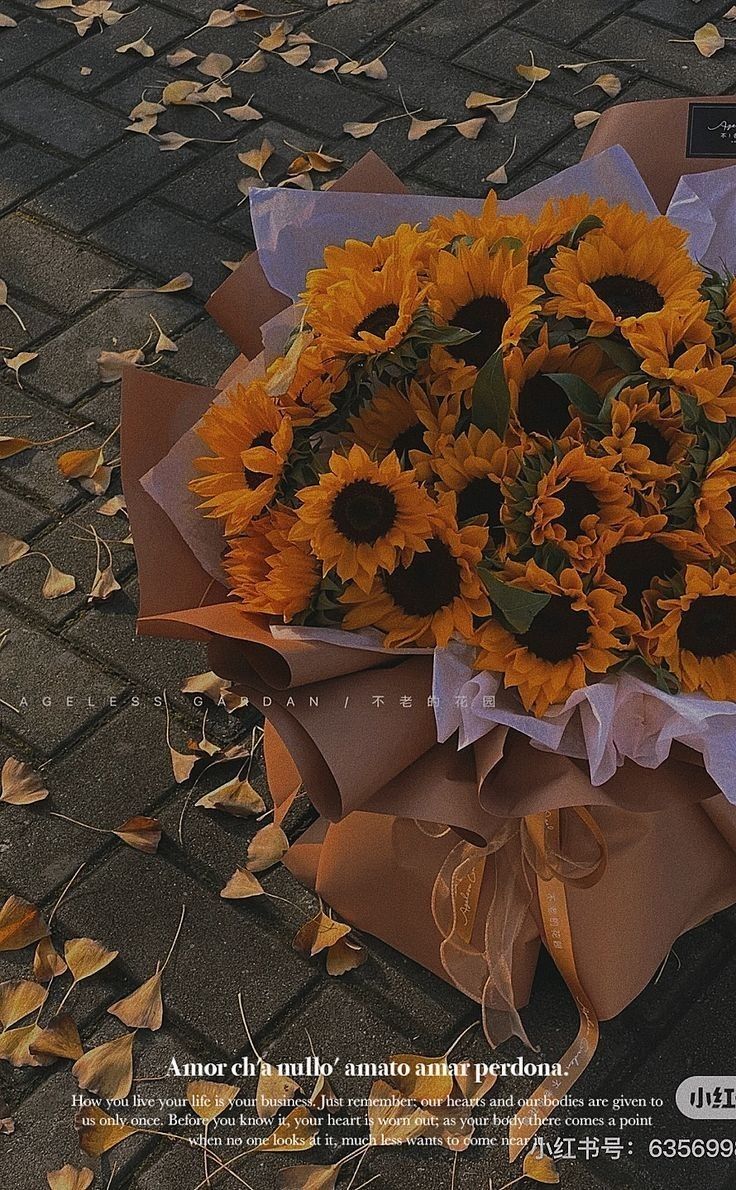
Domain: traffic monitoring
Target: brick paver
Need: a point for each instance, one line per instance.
(84, 207)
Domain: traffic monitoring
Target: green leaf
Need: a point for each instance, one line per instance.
(690, 410)
(513, 243)
(517, 606)
(578, 392)
(589, 223)
(620, 354)
(491, 398)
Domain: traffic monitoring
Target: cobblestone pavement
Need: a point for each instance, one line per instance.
(86, 207)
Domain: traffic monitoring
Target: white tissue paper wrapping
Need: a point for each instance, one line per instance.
(618, 718)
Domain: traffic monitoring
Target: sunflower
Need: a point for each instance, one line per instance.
(430, 596)
(487, 292)
(474, 466)
(447, 377)
(559, 216)
(715, 506)
(573, 500)
(648, 442)
(538, 404)
(696, 637)
(355, 257)
(640, 556)
(270, 573)
(250, 439)
(490, 225)
(576, 633)
(408, 424)
(368, 311)
(661, 343)
(362, 514)
(632, 272)
(318, 378)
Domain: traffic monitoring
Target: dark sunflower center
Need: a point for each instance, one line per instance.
(557, 631)
(364, 511)
(485, 316)
(579, 502)
(708, 627)
(543, 407)
(627, 297)
(482, 496)
(412, 438)
(430, 582)
(254, 478)
(636, 564)
(379, 321)
(645, 434)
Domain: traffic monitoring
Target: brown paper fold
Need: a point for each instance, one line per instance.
(654, 134)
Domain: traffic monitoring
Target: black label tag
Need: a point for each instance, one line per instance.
(711, 130)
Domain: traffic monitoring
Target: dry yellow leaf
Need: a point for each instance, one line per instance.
(276, 38)
(708, 40)
(7, 22)
(20, 924)
(730, 15)
(59, 1039)
(610, 84)
(209, 1100)
(246, 111)
(47, 964)
(236, 797)
(394, 1124)
(69, 1178)
(20, 361)
(143, 1008)
(215, 65)
(345, 956)
(178, 93)
(15, 1047)
(473, 1088)
(140, 46)
(11, 549)
(540, 1168)
(20, 785)
(480, 99)
(100, 1132)
(180, 57)
(256, 159)
(419, 128)
(113, 506)
(73, 464)
(107, 1070)
(164, 342)
(57, 583)
(325, 65)
(112, 364)
(533, 74)
(19, 998)
(266, 848)
(140, 832)
(503, 112)
(418, 1083)
(319, 933)
(273, 1092)
(255, 64)
(296, 56)
(85, 957)
(242, 884)
(359, 130)
(584, 119)
(470, 128)
(295, 1133)
(4, 297)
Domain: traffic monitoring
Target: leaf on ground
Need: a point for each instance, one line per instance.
(533, 73)
(236, 797)
(245, 112)
(418, 1084)
(325, 65)
(69, 1178)
(20, 785)
(141, 833)
(177, 284)
(540, 1168)
(180, 57)
(11, 549)
(273, 1092)
(59, 1039)
(584, 119)
(359, 130)
(113, 506)
(107, 1070)
(7, 22)
(610, 84)
(14, 446)
(255, 64)
(112, 364)
(143, 1008)
(4, 295)
(15, 1047)
(21, 360)
(276, 38)
(730, 15)
(296, 1133)
(99, 1132)
(470, 128)
(310, 1177)
(266, 848)
(47, 964)
(395, 1124)
(171, 142)
(18, 999)
(209, 1100)
(480, 99)
(319, 933)
(85, 957)
(20, 924)
(256, 159)
(472, 1088)
(241, 885)
(140, 46)
(74, 464)
(345, 956)
(57, 583)
(178, 93)
(708, 40)
(503, 112)
(420, 128)
(164, 342)
(296, 56)
(215, 65)
(98, 482)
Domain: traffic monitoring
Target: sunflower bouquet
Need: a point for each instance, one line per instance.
(514, 433)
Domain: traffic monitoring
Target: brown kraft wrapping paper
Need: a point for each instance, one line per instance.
(642, 858)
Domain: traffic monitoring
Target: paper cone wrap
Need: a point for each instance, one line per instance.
(462, 859)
